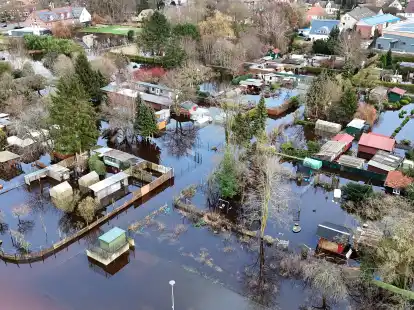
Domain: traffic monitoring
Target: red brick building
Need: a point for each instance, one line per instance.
(48, 17)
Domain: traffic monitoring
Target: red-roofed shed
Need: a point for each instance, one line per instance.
(395, 94)
(371, 142)
(345, 138)
(396, 182)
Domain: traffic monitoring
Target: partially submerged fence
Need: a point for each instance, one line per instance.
(58, 246)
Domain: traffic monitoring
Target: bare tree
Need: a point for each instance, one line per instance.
(274, 25)
(192, 14)
(120, 112)
(63, 66)
(251, 43)
(268, 195)
(106, 66)
(19, 241)
(63, 30)
(218, 25)
(67, 205)
(184, 81)
(21, 211)
(349, 47)
(87, 209)
(227, 55)
(326, 280)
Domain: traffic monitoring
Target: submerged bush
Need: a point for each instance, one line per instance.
(356, 192)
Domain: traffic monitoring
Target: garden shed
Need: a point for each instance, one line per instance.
(351, 161)
(333, 238)
(395, 94)
(120, 160)
(355, 127)
(61, 191)
(58, 172)
(9, 159)
(370, 143)
(88, 179)
(113, 239)
(323, 127)
(384, 162)
(331, 150)
(378, 94)
(312, 163)
(345, 138)
(110, 185)
(408, 164)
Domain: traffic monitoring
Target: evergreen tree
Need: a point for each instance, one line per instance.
(345, 109)
(91, 80)
(261, 116)
(388, 58)
(155, 34)
(74, 117)
(338, 15)
(145, 121)
(242, 129)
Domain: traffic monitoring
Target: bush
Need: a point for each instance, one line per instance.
(313, 147)
(409, 155)
(274, 86)
(405, 142)
(294, 102)
(404, 102)
(130, 35)
(5, 67)
(407, 87)
(240, 78)
(304, 123)
(356, 192)
(17, 73)
(51, 44)
(412, 112)
(402, 113)
(97, 165)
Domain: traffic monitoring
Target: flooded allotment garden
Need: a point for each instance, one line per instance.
(212, 268)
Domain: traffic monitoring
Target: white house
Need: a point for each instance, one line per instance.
(331, 8)
(349, 20)
(84, 16)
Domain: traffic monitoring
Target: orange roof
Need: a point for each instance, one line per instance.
(377, 141)
(398, 91)
(316, 11)
(396, 179)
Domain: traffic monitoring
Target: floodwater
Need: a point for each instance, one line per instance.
(208, 267)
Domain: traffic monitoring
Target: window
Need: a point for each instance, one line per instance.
(380, 46)
(396, 191)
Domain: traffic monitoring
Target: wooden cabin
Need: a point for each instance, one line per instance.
(334, 238)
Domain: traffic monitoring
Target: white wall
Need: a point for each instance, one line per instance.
(85, 16)
(315, 37)
(347, 21)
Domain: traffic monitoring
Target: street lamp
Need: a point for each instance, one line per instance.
(172, 282)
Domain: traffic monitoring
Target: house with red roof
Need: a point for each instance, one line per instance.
(370, 143)
(315, 12)
(396, 182)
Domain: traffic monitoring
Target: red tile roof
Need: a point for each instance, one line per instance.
(398, 91)
(343, 137)
(377, 141)
(396, 179)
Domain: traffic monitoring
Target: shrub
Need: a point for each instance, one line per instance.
(51, 44)
(304, 123)
(404, 102)
(356, 192)
(130, 35)
(97, 165)
(240, 78)
(405, 142)
(407, 87)
(402, 113)
(5, 67)
(274, 86)
(412, 112)
(313, 147)
(409, 154)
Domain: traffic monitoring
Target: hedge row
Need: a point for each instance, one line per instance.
(407, 87)
(146, 60)
(398, 129)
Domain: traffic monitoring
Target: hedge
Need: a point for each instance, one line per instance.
(407, 87)
(146, 60)
(317, 70)
(398, 129)
(240, 78)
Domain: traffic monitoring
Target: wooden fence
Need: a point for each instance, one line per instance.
(58, 246)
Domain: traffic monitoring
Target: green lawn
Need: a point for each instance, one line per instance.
(120, 30)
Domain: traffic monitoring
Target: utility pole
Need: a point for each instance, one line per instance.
(172, 282)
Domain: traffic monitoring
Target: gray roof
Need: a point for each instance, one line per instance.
(330, 150)
(139, 83)
(97, 187)
(385, 161)
(119, 155)
(356, 123)
(333, 232)
(351, 161)
(361, 12)
(6, 156)
(55, 14)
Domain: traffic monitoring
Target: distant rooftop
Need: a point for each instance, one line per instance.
(378, 19)
(323, 26)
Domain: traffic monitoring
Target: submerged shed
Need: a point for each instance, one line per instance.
(110, 185)
(61, 191)
(88, 179)
(331, 150)
(355, 127)
(351, 161)
(7, 157)
(323, 127)
(333, 238)
(312, 163)
(58, 172)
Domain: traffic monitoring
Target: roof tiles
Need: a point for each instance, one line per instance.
(377, 141)
(396, 179)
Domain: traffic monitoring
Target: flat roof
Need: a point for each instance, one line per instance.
(333, 232)
(97, 187)
(378, 19)
(111, 235)
(154, 85)
(117, 154)
(351, 161)
(6, 156)
(343, 137)
(357, 123)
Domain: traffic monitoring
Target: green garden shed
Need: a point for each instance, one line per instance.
(113, 239)
(355, 127)
(395, 94)
(312, 163)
